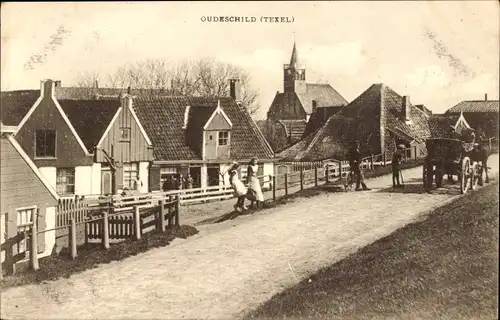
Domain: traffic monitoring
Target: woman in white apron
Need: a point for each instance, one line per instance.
(254, 191)
(240, 191)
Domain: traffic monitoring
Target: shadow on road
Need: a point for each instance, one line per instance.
(418, 188)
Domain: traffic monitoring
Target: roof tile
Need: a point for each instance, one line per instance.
(475, 106)
(163, 119)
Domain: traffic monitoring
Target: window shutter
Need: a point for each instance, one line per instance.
(119, 176)
(41, 224)
(154, 178)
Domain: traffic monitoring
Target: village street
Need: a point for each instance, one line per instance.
(233, 266)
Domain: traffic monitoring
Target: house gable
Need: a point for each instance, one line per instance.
(47, 94)
(218, 120)
(47, 114)
(217, 136)
(124, 138)
(286, 106)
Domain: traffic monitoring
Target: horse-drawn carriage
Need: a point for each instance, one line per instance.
(451, 157)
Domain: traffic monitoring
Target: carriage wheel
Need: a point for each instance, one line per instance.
(475, 176)
(427, 176)
(465, 176)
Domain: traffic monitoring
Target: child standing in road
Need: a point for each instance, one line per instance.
(239, 188)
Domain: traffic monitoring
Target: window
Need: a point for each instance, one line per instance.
(45, 143)
(65, 181)
(125, 134)
(223, 138)
(165, 172)
(130, 174)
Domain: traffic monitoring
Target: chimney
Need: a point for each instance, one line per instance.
(126, 101)
(405, 108)
(96, 85)
(314, 106)
(485, 97)
(128, 90)
(235, 89)
(47, 87)
(57, 83)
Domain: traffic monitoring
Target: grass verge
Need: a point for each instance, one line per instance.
(92, 255)
(445, 267)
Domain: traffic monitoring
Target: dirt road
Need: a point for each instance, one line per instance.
(232, 266)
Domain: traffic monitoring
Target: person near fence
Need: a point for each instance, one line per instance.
(168, 184)
(254, 193)
(138, 184)
(354, 157)
(397, 156)
(240, 191)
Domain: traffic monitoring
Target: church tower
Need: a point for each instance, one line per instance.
(293, 72)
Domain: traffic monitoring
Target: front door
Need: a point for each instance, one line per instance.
(106, 184)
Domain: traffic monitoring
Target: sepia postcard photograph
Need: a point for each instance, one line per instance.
(249, 160)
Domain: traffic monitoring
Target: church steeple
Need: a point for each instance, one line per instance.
(294, 60)
(293, 72)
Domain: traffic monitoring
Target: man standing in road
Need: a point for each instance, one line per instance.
(354, 157)
(396, 159)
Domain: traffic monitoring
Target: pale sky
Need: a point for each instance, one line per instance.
(438, 53)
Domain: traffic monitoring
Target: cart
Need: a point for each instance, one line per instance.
(451, 157)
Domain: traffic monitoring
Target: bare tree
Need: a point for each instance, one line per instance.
(87, 79)
(204, 77)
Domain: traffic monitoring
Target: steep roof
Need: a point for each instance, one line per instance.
(323, 94)
(476, 106)
(90, 118)
(294, 129)
(442, 126)
(10, 138)
(163, 118)
(14, 105)
(360, 120)
(103, 93)
(418, 129)
(318, 118)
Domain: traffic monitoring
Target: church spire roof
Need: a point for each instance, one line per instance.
(294, 60)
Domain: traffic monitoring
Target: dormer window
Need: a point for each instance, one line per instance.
(223, 138)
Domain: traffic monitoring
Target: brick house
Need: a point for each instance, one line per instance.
(70, 135)
(379, 118)
(48, 137)
(200, 136)
(291, 110)
(24, 190)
